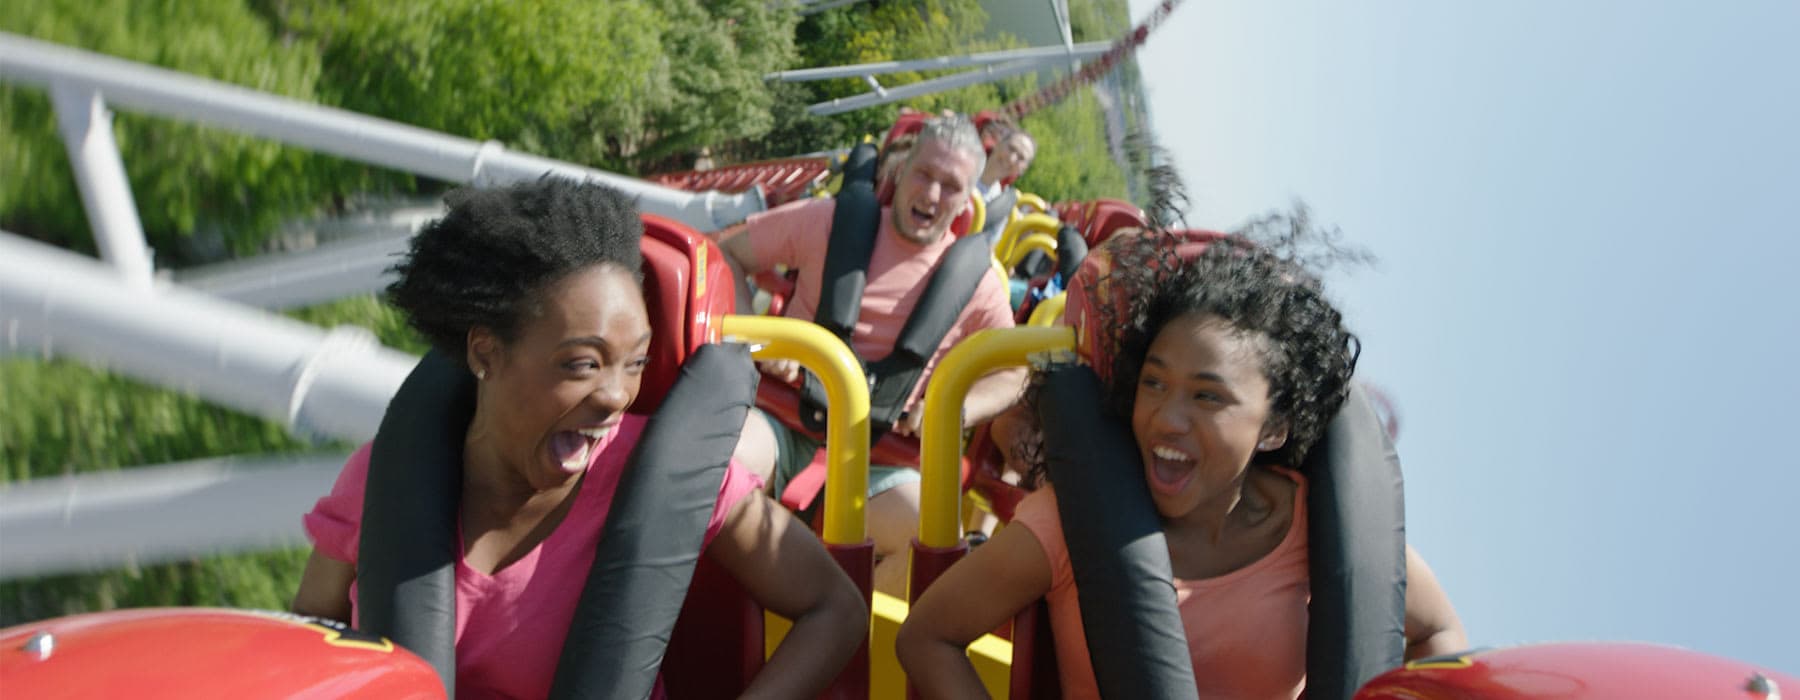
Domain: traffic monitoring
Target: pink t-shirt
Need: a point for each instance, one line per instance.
(797, 235)
(1246, 630)
(510, 626)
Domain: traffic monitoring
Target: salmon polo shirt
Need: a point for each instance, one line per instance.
(797, 235)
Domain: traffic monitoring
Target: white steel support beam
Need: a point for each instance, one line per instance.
(813, 7)
(1041, 53)
(357, 137)
(159, 513)
(329, 272)
(331, 383)
(86, 127)
(926, 87)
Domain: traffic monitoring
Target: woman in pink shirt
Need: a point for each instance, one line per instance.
(535, 286)
(1227, 364)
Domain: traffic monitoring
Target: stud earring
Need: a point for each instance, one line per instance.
(481, 375)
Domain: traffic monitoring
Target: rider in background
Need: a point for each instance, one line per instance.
(1012, 155)
(932, 188)
(1227, 367)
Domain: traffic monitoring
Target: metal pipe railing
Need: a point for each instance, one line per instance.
(1022, 248)
(158, 513)
(986, 58)
(940, 438)
(86, 127)
(1049, 312)
(1026, 225)
(333, 383)
(339, 132)
(846, 424)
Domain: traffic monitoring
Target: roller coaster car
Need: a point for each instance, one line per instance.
(717, 645)
(1578, 671)
(205, 653)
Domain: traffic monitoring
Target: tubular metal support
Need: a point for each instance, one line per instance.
(1040, 54)
(1036, 241)
(1049, 312)
(86, 127)
(846, 424)
(335, 384)
(1023, 227)
(940, 440)
(338, 132)
(975, 76)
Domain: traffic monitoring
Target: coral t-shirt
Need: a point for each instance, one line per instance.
(510, 625)
(1246, 630)
(797, 235)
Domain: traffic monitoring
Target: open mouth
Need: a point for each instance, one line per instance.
(1170, 469)
(921, 218)
(574, 449)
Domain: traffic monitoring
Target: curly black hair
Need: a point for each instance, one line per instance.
(490, 259)
(1259, 282)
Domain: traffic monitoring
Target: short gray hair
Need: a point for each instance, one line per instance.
(955, 131)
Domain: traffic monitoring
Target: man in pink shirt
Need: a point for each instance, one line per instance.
(932, 188)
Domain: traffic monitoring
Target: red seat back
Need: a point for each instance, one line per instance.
(1034, 669)
(687, 286)
(1107, 216)
(717, 645)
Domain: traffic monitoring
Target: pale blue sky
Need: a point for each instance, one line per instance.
(1586, 305)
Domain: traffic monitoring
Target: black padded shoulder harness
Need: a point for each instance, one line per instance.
(1355, 550)
(648, 548)
(997, 212)
(854, 226)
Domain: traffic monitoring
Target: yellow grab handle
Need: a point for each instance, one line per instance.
(1036, 241)
(1048, 311)
(846, 425)
(940, 441)
(1036, 203)
(1026, 225)
(979, 218)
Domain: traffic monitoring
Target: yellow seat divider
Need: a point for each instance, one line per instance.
(991, 655)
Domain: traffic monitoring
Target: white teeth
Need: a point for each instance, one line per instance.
(593, 433)
(1170, 454)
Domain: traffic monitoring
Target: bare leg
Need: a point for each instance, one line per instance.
(893, 522)
(756, 448)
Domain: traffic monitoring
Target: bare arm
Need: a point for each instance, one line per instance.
(993, 394)
(325, 588)
(977, 594)
(989, 396)
(734, 241)
(1432, 627)
(787, 571)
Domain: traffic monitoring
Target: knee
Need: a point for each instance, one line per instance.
(756, 449)
(894, 518)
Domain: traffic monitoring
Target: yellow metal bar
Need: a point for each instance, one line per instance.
(1025, 226)
(846, 426)
(1049, 311)
(1036, 203)
(979, 217)
(991, 655)
(940, 442)
(1035, 241)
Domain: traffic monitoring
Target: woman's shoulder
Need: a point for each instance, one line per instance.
(1039, 513)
